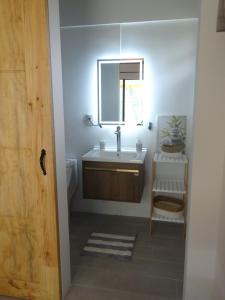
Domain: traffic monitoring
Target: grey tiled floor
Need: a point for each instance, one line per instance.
(154, 273)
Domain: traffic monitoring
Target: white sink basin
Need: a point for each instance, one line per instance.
(110, 155)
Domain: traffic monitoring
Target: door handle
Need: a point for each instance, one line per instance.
(42, 161)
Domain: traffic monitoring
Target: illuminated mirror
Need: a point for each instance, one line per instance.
(120, 91)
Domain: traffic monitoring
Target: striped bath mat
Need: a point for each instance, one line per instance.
(103, 244)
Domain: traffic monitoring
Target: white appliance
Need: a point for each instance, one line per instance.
(72, 178)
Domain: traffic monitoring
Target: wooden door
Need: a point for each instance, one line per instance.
(29, 255)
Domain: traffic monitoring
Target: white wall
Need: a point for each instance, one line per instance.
(205, 241)
(169, 52)
(219, 287)
(80, 12)
(59, 144)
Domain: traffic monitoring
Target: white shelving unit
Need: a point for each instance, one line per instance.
(159, 157)
(166, 185)
(169, 185)
(164, 219)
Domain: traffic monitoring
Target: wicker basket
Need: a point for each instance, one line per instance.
(168, 207)
(173, 148)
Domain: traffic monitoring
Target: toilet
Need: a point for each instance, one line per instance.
(72, 178)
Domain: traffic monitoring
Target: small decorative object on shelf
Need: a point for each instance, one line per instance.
(139, 145)
(170, 208)
(171, 135)
(102, 145)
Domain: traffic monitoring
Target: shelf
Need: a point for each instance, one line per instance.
(162, 158)
(156, 217)
(170, 184)
(175, 186)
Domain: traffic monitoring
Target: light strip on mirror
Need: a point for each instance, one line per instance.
(101, 62)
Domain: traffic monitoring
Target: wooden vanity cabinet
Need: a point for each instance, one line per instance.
(113, 181)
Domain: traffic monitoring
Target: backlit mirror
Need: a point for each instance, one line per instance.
(120, 91)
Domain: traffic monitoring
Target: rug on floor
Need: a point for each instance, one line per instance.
(114, 245)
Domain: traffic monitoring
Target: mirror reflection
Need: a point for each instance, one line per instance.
(120, 91)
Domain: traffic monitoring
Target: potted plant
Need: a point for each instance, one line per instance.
(173, 137)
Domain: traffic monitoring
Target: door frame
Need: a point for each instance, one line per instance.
(59, 135)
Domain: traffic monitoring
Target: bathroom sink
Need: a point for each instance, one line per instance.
(110, 155)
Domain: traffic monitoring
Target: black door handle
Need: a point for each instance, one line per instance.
(42, 161)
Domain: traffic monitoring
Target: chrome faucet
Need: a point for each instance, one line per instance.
(118, 139)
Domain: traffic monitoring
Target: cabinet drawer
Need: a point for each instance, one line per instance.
(113, 181)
